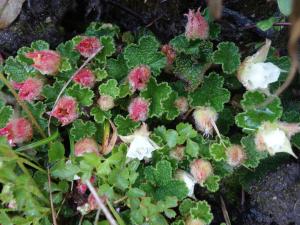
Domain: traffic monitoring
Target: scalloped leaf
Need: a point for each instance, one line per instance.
(211, 93)
(171, 110)
(110, 88)
(40, 45)
(157, 94)
(83, 95)
(50, 92)
(38, 109)
(192, 148)
(228, 56)
(218, 151)
(202, 211)
(125, 125)
(117, 68)
(145, 53)
(100, 74)
(99, 115)
(108, 49)
(253, 156)
(81, 129)
(212, 183)
(186, 69)
(6, 113)
(102, 29)
(67, 50)
(252, 118)
(185, 131)
(17, 71)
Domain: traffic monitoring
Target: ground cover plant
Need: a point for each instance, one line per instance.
(114, 127)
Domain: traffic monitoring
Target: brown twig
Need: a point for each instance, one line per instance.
(100, 203)
(51, 199)
(23, 105)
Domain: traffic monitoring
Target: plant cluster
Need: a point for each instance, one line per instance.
(140, 121)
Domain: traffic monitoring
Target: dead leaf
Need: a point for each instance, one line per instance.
(9, 10)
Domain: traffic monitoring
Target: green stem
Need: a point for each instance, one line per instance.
(39, 143)
(33, 165)
(114, 212)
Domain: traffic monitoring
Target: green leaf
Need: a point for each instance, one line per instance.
(82, 129)
(56, 151)
(100, 74)
(186, 69)
(161, 182)
(17, 71)
(211, 93)
(145, 53)
(252, 118)
(38, 109)
(50, 92)
(253, 156)
(157, 94)
(125, 125)
(117, 68)
(100, 115)
(212, 183)
(67, 50)
(182, 45)
(267, 24)
(202, 211)
(102, 29)
(185, 131)
(6, 113)
(108, 49)
(225, 120)
(192, 148)
(65, 65)
(40, 45)
(171, 110)
(110, 88)
(285, 6)
(64, 170)
(218, 151)
(185, 206)
(83, 95)
(228, 56)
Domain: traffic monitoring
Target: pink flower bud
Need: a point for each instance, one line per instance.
(30, 89)
(235, 155)
(169, 53)
(45, 61)
(204, 118)
(196, 27)
(182, 104)
(82, 187)
(201, 169)
(17, 85)
(178, 153)
(86, 145)
(65, 110)
(138, 109)
(139, 77)
(88, 46)
(85, 77)
(17, 131)
(106, 102)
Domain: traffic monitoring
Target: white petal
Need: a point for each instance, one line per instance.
(188, 179)
(260, 75)
(141, 148)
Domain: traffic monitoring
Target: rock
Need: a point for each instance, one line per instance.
(275, 199)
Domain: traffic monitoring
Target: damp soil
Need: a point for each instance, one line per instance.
(274, 199)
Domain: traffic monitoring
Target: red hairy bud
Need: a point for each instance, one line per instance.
(106, 102)
(86, 145)
(139, 77)
(201, 169)
(235, 155)
(65, 110)
(196, 27)
(45, 61)
(85, 77)
(30, 89)
(169, 53)
(138, 109)
(17, 131)
(88, 46)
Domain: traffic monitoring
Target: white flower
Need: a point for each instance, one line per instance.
(188, 179)
(270, 137)
(141, 146)
(254, 73)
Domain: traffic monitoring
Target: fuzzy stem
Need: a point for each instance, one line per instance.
(67, 83)
(53, 213)
(100, 203)
(23, 105)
